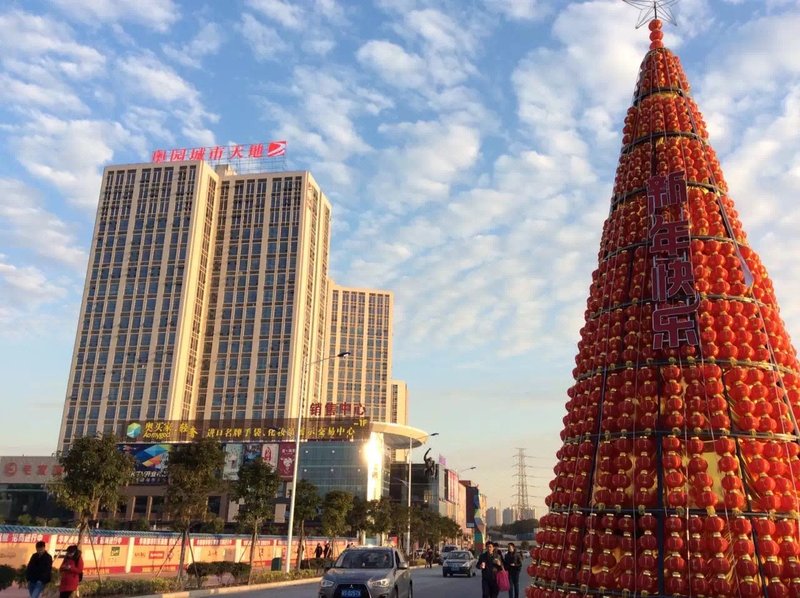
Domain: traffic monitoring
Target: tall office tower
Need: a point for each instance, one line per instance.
(204, 297)
(398, 402)
(360, 321)
(491, 517)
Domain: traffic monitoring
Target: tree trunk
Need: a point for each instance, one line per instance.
(301, 544)
(183, 556)
(253, 539)
(82, 525)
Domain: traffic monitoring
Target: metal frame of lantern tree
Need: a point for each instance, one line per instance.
(678, 472)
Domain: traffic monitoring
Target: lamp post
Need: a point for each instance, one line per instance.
(467, 469)
(408, 488)
(287, 565)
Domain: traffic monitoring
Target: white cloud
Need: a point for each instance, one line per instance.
(287, 14)
(27, 284)
(518, 10)
(69, 154)
(148, 77)
(207, 42)
(393, 64)
(158, 15)
(265, 42)
(25, 223)
(26, 35)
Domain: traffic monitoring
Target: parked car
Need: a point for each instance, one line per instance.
(459, 562)
(367, 572)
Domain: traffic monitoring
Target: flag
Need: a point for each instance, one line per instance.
(276, 148)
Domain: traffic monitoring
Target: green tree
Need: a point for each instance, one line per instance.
(255, 489)
(336, 506)
(94, 472)
(379, 516)
(194, 473)
(306, 505)
(450, 529)
(358, 517)
(400, 514)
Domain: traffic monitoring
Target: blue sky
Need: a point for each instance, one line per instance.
(468, 149)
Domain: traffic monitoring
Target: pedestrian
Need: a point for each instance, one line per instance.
(39, 571)
(71, 572)
(429, 558)
(326, 552)
(513, 562)
(489, 563)
(318, 551)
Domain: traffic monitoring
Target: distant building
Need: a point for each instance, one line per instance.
(508, 516)
(491, 517)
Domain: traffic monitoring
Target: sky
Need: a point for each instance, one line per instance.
(468, 149)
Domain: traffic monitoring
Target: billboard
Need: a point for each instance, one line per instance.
(269, 454)
(245, 431)
(29, 470)
(286, 456)
(233, 461)
(149, 462)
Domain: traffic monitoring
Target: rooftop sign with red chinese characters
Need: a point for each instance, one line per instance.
(29, 470)
(672, 276)
(220, 153)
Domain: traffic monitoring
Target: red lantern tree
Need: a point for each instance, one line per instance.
(679, 471)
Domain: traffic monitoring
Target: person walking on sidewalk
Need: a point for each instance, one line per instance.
(71, 572)
(39, 571)
(513, 562)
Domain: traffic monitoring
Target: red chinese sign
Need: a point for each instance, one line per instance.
(672, 276)
(286, 457)
(218, 153)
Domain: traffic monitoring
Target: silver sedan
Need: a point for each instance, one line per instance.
(367, 572)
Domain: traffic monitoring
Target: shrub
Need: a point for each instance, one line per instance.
(8, 575)
(127, 587)
(273, 576)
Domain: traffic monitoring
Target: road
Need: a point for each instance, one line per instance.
(428, 583)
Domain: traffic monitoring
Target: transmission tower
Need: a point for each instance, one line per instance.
(522, 505)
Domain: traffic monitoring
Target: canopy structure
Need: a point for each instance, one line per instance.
(679, 470)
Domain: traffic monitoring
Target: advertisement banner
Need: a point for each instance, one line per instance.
(245, 431)
(28, 470)
(286, 456)
(233, 461)
(269, 454)
(149, 462)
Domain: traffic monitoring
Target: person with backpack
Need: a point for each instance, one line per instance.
(39, 571)
(71, 572)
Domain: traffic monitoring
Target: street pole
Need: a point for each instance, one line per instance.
(306, 367)
(408, 492)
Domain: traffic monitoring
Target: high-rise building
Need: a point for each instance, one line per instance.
(360, 321)
(398, 402)
(205, 297)
(491, 517)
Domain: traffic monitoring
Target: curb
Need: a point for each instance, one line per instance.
(232, 589)
(240, 589)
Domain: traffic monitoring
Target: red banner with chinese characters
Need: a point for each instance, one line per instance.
(219, 153)
(672, 276)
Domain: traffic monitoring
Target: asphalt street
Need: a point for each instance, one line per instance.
(428, 583)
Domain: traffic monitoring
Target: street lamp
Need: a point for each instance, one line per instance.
(307, 367)
(467, 469)
(408, 487)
